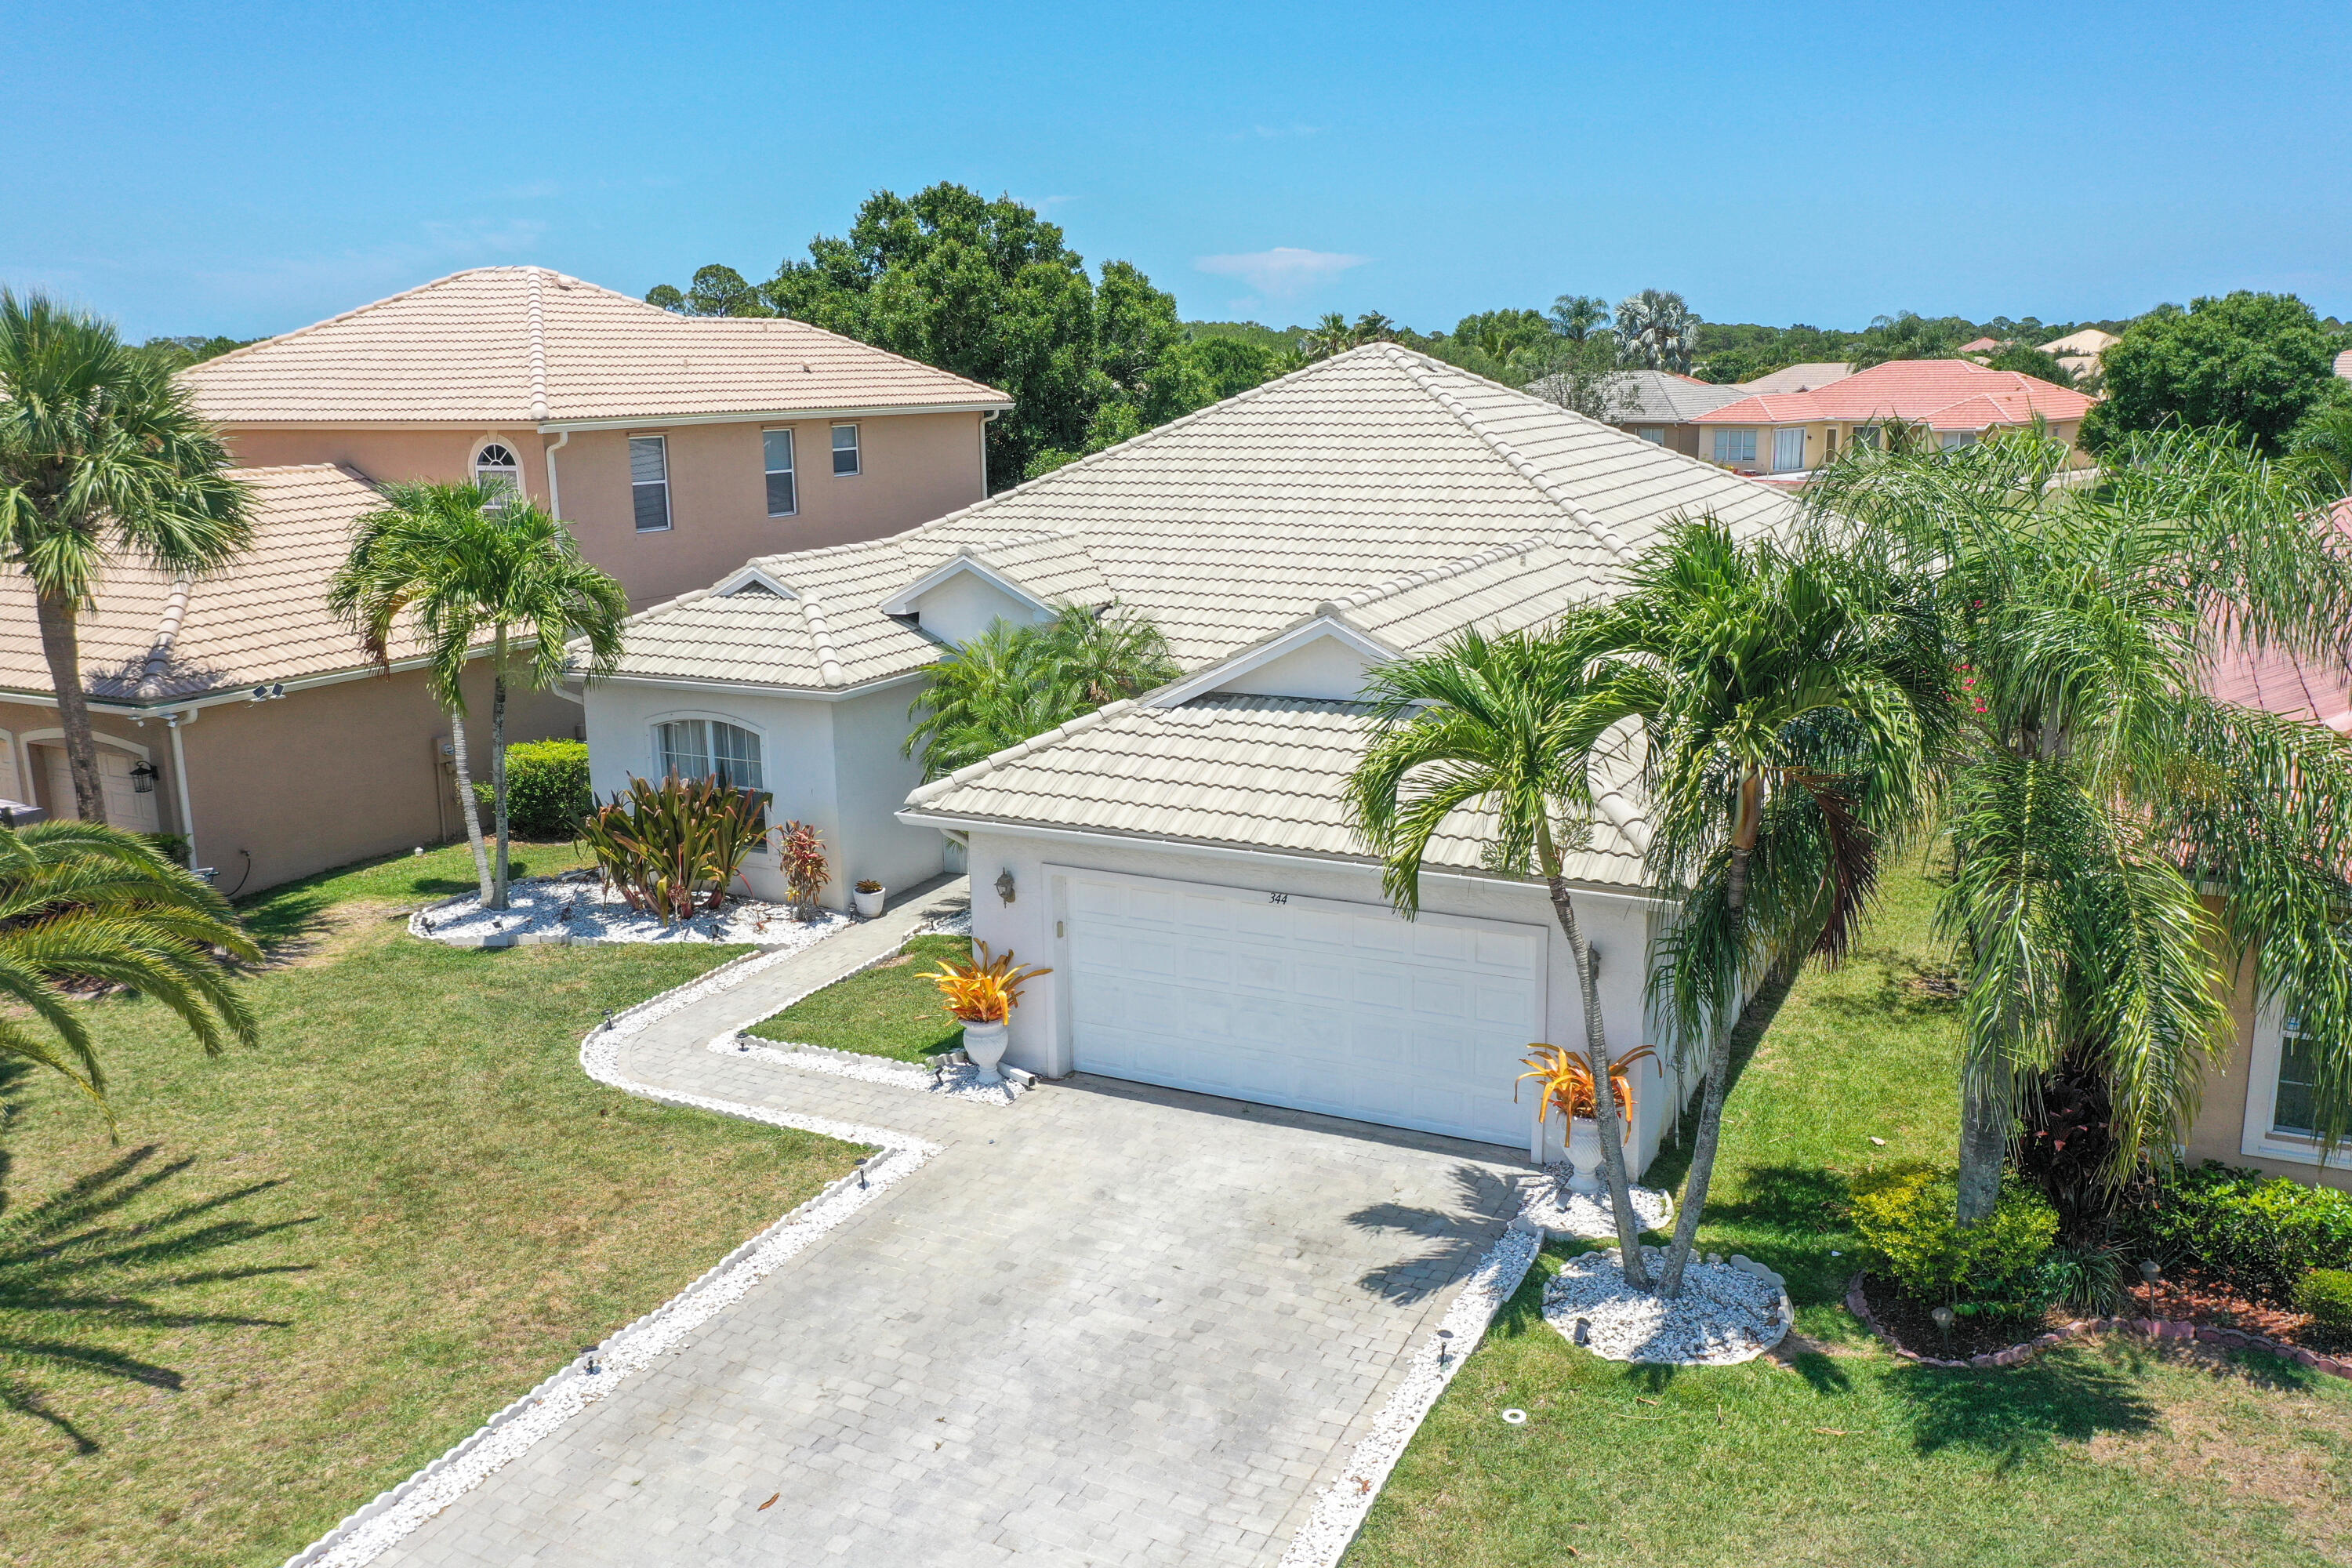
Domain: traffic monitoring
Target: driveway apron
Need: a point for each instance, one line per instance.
(1106, 1324)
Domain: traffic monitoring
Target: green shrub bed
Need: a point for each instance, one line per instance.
(2259, 1235)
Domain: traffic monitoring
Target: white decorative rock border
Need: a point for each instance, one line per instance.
(537, 919)
(507, 1436)
(1729, 1311)
(959, 1081)
(1341, 1510)
(1587, 1216)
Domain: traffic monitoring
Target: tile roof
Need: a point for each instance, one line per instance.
(526, 345)
(1661, 397)
(1266, 773)
(1799, 377)
(155, 639)
(1228, 525)
(2278, 682)
(2090, 342)
(1942, 394)
(2343, 365)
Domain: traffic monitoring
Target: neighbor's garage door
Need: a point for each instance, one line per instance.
(1336, 1007)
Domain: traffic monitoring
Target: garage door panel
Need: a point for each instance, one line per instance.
(1323, 1007)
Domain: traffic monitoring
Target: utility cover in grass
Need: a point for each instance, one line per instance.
(1725, 1314)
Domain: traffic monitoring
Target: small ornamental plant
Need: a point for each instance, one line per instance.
(2327, 1295)
(1565, 1078)
(986, 989)
(1905, 1217)
(806, 871)
(869, 886)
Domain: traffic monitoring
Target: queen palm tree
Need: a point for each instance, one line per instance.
(102, 458)
(1655, 328)
(80, 901)
(1012, 682)
(1792, 706)
(2121, 839)
(1578, 317)
(462, 566)
(1500, 725)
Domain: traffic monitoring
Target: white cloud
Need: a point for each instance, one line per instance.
(1283, 272)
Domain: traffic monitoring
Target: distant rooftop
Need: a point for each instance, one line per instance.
(1799, 377)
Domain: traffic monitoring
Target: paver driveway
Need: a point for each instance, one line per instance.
(1106, 1325)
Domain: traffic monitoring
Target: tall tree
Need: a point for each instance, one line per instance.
(102, 458)
(470, 566)
(2097, 796)
(1792, 704)
(80, 901)
(1579, 317)
(1657, 330)
(2255, 361)
(1501, 725)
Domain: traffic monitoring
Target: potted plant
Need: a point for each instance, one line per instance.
(982, 992)
(868, 897)
(1565, 1077)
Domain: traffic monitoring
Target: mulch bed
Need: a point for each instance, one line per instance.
(1908, 1322)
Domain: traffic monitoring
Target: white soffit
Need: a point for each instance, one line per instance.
(754, 578)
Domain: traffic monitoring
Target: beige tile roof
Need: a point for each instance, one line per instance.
(1264, 773)
(154, 640)
(526, 345)
(1228, 525)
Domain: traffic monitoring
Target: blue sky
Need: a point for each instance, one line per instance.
(246, 169)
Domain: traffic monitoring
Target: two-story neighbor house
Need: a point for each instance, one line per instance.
(674, 447)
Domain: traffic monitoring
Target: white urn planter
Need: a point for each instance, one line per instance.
(1584, 1154)
(984, 1044)
(867, 905)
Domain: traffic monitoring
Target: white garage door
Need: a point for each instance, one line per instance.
(1336, 1007)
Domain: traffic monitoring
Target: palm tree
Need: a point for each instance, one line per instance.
(102, 457)
(1657, 330)
(1578, 318)
(1792, 706)
(80, 901)
(471, 563)
(1500, 725)
(1012, 682)
(2122, 840)
(1330, 336)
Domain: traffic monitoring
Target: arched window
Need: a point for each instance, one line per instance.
(498, 471)
(699, 748)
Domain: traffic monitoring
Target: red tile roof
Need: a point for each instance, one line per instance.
(1942, 394)
(2279, 683)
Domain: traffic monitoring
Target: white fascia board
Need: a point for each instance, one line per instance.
(1313, 629)
(919, 818)
(746, 576)
(760, 689)
(773, 415)
(904, 602)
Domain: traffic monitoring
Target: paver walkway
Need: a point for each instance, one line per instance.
(1108, 1325)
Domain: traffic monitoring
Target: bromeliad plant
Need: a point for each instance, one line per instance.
(1565, 1078)
(675, 847)
(984, 990)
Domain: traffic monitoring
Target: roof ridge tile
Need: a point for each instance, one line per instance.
(828, 658)
(535, 322)
(1411, 580)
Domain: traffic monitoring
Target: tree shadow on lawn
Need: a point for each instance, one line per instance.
(292, 910)
(75, 1263)
(1458, 1247)
(2017, 1413)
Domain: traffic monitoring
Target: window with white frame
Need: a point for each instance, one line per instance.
(1735, 446)
(2292, 1110)
(844, 451)
(1865, 435)
(497, 472)
(707, 748)
(778, 446)
(649, 481)
(1956, 439)
(1789, 449)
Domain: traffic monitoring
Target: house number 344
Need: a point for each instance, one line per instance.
(1277, 898)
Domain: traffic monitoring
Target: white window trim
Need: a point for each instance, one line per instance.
(710, 716)
(474, 463)
(858, 425)
(793, 438)
(669, 489)
(2262, 1100)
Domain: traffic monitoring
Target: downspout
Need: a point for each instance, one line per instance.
(987, 418)
(555, 495)
(173, 722)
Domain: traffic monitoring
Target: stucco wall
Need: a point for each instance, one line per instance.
(1618, 926)
(2219, 1132)
(916, 467)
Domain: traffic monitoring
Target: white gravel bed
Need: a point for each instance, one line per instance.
(579, 907)
(957, 1080)
(1339, 1512)
(1728, 1312)
(1587, 1216)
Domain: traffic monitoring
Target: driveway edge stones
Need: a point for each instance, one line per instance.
(393, 1514)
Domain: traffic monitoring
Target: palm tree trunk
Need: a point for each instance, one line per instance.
(1604, 1090)
(498, 900)
(1984, 1148)
(61, 646)
(467, 811)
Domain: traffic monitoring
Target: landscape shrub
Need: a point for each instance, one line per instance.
(2259, 1235)
(1905, 1217)
(2327, 1295)
(675, 846)
(547, 788)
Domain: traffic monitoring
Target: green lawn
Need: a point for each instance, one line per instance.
(887, 1011)
(2111, 1454)
(307, 1268)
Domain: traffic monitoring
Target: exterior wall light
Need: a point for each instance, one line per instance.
(1004, 884)
(143, 777)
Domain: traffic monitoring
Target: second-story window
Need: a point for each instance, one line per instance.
(649, 481)
(499, 473)
(781, 502)
(844, 450)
